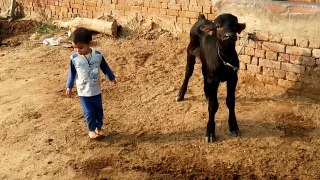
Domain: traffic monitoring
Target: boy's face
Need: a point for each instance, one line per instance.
(82, 48)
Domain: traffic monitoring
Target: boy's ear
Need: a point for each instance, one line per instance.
(208, 30)
(241, 27)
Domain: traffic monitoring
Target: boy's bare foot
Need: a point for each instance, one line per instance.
(99, 132)
(93, 135)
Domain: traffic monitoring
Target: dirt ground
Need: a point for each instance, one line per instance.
(150, 136)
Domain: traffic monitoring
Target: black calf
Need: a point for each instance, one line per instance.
(215, 43)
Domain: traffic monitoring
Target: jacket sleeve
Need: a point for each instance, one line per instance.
(71, 75)
(106, 70)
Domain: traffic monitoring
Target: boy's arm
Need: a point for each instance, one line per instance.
(106, 70)
(71, 75)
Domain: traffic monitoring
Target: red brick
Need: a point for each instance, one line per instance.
(262, 36)
(195, 8)
(191, 14)
(271, 55)
(314, 43)
(293, 68)
(193, 2)
(279, 74)
(269, 63)
(186, 27)
(302, 43)
(155, 11)
(302, 60)
(254, 68)
(174, 6)
(106, 2)
(284, 57)
(210, 16)
(276, 8)
(242, 66)
(172, 12)
(90, 8)
(155, 5)
(291, 76)
(288, 41)
(146, 3)
(90, 3)
(260, 53)
(122, 7)
(245, 59)
(164, 5)
(289, 84)
(267, 71)
(251, 44)
(206, 9)
(184, 7)
(275, 47)
(298, 51)
(275, 38)
(76, 6)
(79, 2)
(255, 61)
(163, 11)
(302, 10)
(249, 51)
(183, 20)
(316, 53)
(144, 9)
(193, 20)
(136, 8)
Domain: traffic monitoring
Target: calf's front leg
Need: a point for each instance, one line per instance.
(230, 100)
(212, 108)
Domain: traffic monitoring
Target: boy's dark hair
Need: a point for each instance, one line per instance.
(81, 35)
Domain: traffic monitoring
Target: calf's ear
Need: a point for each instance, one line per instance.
(241, 27)
(207, 29)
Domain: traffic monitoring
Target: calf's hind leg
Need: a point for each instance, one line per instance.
(212, 108)
(191, 60)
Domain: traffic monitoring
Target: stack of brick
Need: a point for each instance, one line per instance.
(284, 61)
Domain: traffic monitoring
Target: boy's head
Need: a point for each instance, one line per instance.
(81, 39)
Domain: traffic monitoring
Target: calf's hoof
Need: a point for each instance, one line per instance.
(179, 98)
(210, 139)
(235, 133)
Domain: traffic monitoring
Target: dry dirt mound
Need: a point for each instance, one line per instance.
(150, 135)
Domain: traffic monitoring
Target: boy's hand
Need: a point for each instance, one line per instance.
(69, 92)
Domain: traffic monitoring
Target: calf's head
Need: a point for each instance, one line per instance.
(227, 27)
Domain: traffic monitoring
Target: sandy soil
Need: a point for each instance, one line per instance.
(150, 135)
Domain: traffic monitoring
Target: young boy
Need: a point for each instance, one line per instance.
(85, 65)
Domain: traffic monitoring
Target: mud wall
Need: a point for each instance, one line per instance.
(286, 51)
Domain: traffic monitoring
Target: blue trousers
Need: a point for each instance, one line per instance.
(92, 110)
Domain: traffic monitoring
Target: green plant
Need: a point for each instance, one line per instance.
(46, 27)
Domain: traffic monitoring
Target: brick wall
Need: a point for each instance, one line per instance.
(288, 62)
(286, 53)
(176, 15)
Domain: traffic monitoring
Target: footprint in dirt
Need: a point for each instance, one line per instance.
(294, 126)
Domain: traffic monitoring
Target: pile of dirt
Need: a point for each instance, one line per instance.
(14, 28)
